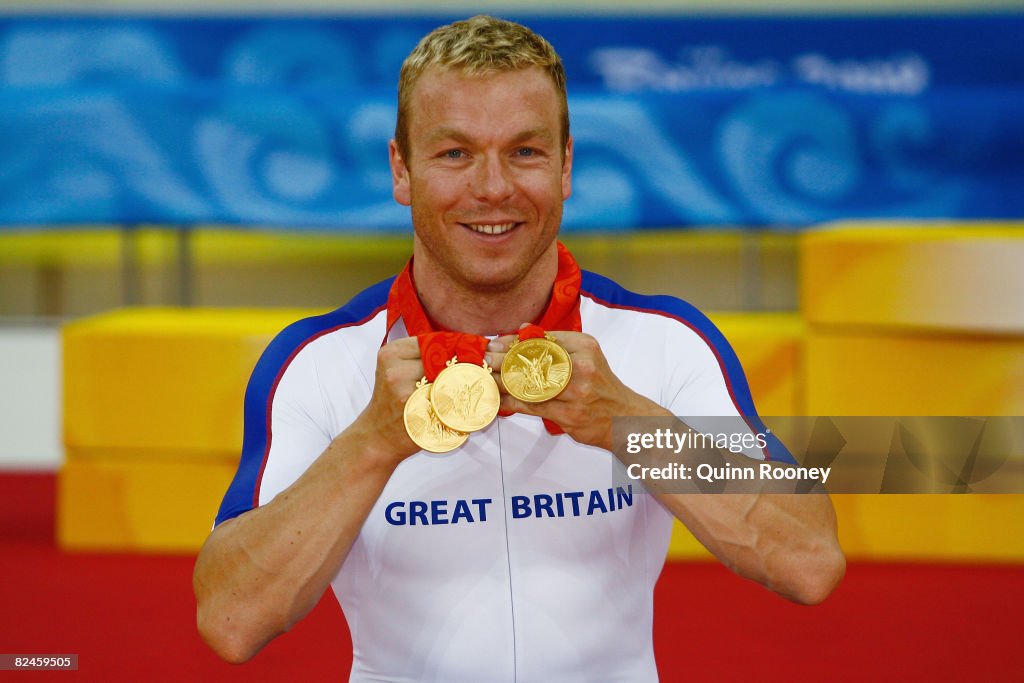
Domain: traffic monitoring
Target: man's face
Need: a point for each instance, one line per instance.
(485, 175)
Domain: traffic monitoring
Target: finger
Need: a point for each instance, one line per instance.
(403, 385)
(501, 344)
(497, 376)
(573, 342)
(511, 404)
(403, 395)
(549, 410)
(495, 359)
(407, 348)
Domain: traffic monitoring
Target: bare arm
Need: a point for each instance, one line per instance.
(783, 540)
(764, 530)
(260, 573)
(786, 542)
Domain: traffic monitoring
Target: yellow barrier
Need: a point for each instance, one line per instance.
(153, 422)
(769, 348)
(947, 528)
(146, 381)
(150, 506)
(917, 320)
(964, 279)
(857, 372)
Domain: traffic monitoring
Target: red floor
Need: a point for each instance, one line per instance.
(131, 618)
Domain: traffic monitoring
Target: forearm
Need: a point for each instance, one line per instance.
(786, 542)
(260, 573)
(763, 529)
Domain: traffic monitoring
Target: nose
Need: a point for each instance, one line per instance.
(492, 181)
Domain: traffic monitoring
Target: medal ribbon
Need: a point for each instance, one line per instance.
(437, 348)
(562, 313)
(531, 332)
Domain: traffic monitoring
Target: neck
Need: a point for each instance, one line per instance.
(457, 305)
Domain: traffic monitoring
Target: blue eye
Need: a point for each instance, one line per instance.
(525, 151)
(454, 154)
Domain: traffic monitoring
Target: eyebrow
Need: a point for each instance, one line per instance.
(449, 133)
(540, 133)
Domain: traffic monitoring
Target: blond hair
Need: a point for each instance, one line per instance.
(481, 45)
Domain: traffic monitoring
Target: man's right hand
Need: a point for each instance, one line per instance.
(399, 367)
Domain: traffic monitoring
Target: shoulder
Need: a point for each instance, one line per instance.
(611, 301)
(672, 337)
(670, 327)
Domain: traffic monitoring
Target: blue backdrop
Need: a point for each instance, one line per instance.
(678, 121)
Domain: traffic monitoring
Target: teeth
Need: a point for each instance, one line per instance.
(492, 229)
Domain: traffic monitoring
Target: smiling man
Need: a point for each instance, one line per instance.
(483, 157)
(514, 556)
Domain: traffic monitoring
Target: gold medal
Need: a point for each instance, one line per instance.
(465, 396)
(424, 428)
(536, 370)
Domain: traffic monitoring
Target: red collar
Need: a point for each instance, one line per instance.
(562, 313)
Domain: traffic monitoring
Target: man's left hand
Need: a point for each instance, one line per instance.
(594, 396)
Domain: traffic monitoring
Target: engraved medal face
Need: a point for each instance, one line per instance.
(465, 397)
(536, 370)
(424, 428)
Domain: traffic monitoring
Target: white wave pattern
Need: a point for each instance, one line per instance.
(278, 163)
(59, 56)
(789, 155)
(901, 136)
(293, 56)
(273, 154)
(97, 160)
(796, 158)
(627, 130)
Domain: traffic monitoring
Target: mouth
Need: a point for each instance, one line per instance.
(491, 228)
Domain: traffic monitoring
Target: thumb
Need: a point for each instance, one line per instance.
(512, 404)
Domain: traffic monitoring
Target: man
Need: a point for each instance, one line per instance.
(503, 560)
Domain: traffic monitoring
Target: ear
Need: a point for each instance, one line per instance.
(567, 170)
(399, 175)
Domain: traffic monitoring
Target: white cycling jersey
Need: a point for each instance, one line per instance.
(515, 557)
